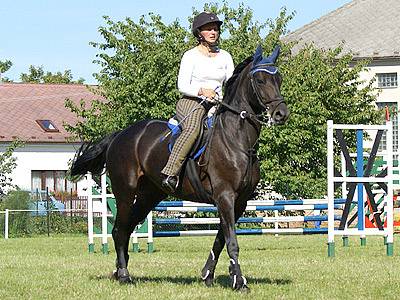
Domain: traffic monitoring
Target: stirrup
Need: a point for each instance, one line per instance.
(170, 182)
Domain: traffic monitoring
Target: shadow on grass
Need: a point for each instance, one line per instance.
(225, 281)
(221, 280)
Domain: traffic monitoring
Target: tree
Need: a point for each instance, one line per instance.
(140, 63)
(38, 75)
(4, 67)
(7, 165)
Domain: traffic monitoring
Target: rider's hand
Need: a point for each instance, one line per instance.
(210, 94)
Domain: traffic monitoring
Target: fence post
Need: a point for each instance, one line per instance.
(6, 224)
(70, 206)
(37, 202)
(48, 211)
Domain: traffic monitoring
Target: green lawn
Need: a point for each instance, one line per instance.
(284, 267)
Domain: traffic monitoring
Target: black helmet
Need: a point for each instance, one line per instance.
(203, 19)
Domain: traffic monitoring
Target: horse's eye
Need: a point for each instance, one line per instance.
(260, 81)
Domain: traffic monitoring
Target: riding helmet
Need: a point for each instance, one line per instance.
(203, 19)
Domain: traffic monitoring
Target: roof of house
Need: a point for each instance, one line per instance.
(368, 28)
(22, 104)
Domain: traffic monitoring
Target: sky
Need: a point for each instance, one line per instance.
(55, 34)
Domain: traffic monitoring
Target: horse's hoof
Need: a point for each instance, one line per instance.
(208, 281)
(207, 277)
(243, 289)
(125, 280)
(122, 275)
(240, 284)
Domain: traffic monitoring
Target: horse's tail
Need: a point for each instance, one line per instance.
(91, 156)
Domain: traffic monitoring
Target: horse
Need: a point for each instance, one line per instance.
(135, 156)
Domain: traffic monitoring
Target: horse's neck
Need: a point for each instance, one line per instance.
(236, 130)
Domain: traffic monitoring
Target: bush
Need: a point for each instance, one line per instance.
(18, 222)
(28, 223)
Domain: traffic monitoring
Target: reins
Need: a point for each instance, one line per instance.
(254, 119)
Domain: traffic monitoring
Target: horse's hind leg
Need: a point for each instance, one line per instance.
(121, 232)
(130, 212)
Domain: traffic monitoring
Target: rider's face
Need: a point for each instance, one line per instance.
(210, 32)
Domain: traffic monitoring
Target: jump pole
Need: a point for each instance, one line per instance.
(90, 216)
(104, 237)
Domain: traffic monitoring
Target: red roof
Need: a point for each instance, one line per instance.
(21, 104)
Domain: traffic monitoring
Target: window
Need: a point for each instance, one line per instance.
(47, 125)
(393, 117)
(387, 80)
(55, 181)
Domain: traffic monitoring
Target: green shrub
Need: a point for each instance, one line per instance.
(28, 223)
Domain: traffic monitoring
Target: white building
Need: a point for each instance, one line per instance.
(369, 29)
(35, 114)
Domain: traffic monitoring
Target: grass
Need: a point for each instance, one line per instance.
(284, 267)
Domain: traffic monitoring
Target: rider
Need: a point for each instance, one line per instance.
(202, 72)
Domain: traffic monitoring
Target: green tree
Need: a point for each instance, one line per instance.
(140, 63)
(318, 86)
(38, 75)
(4, 67)
(7, 165)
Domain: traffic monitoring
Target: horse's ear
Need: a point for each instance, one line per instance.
(274, 56)
(257, 55)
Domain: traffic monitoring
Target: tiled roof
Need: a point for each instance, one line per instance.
(22, 104)
(369, 28)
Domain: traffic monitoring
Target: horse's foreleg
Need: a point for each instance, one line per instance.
(207, 274)
(226, 210)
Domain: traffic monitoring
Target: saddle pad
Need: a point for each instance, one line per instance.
(176, 130)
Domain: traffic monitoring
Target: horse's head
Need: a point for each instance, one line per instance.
(266, 82)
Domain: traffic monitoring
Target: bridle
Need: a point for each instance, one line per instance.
(258, 118)
(272, 70)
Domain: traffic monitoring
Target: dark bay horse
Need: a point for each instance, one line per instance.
(135, 156)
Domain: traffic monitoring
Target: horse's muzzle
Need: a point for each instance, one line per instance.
(280, 114)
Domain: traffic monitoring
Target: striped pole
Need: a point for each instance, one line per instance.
(256, 231)
(198, 221)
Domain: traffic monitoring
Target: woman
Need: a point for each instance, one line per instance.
(202, 72)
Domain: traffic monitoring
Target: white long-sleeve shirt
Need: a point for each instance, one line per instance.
(200, 71)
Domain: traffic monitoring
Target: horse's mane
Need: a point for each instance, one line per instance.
(239, 68)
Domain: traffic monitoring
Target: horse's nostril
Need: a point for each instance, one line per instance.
(279, 115)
